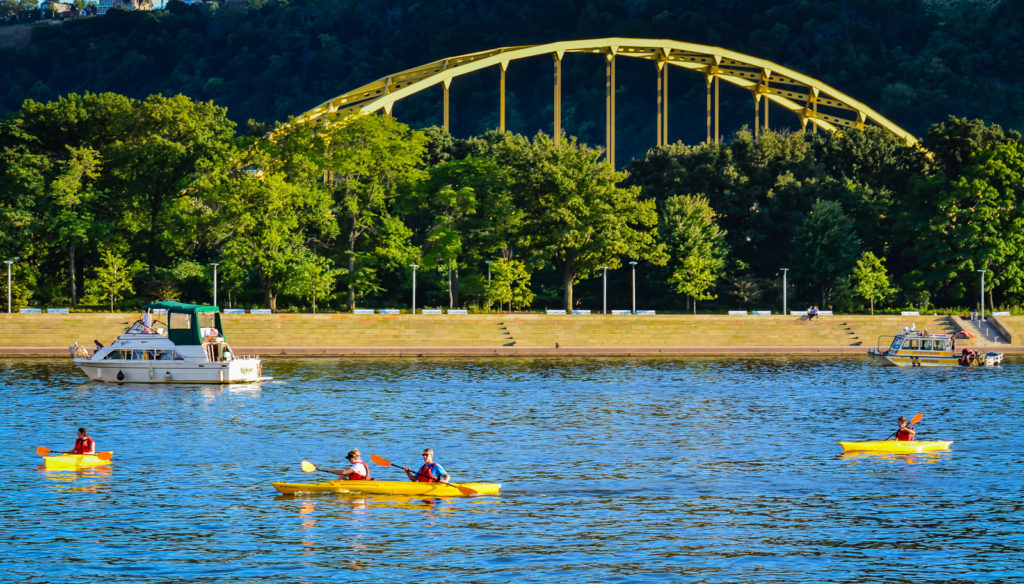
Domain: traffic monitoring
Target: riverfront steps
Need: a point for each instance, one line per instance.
(501, 334)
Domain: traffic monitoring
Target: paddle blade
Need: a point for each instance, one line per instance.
(380, 460)
(308, 466)
(43, 451)
(916, 418)
(106, 455)
(464, 490)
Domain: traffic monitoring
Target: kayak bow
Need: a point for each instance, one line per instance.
(387, 488)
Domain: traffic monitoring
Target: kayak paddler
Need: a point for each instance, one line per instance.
(430, 472)
(83, 444)
(359, 471)
(905, 432)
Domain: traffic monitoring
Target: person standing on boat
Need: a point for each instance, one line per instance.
(905, 432)
(83, 444)
(147, 321)
(359, 471)
(430, 472)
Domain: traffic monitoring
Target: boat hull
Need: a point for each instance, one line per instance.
(896, 446)
(73, 461)
(156, 371)
(387, 488)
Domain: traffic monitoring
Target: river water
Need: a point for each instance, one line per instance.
(621, 470)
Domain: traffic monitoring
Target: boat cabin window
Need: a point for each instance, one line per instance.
(895, 343)
(911, 345)
(926, 345)
(178, 320)
(140, 354)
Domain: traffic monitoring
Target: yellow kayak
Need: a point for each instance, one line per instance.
(898, 446)
(74, 461)
(388, 488)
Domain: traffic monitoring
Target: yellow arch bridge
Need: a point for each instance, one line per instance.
(812, 101)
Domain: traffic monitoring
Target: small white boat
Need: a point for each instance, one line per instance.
(913, 348)
(188, 348)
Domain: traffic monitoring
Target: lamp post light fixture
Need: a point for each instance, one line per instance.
(9, 262)
(785, 309)
(414, 266)
(633, 263)
(982, 294)
(604, 291)
(214, 282)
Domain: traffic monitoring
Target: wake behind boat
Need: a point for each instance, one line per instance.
(191, 349)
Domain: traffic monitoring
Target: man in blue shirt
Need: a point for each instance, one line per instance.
(430, 472)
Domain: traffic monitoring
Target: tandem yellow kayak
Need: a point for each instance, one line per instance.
(75, 461)
(388, 488)
(897, 446)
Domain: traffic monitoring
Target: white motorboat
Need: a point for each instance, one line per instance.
(188, 348)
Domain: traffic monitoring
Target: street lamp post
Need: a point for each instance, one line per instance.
(489, 262)
(8, 262)
(633, 263)
(785, 309)
(982, 294)
(604, 294)
(414, 266)
(214, 282)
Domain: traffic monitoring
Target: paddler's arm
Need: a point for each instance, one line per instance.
(340, 473)
(412, 476)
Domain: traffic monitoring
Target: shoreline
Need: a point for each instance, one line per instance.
(508, 352)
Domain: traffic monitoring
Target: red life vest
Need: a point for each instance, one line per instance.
(426, 473)
(85, 445)
(904, 434)
(360, 477)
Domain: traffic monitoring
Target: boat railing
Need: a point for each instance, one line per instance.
(139, 328)
(888, 345)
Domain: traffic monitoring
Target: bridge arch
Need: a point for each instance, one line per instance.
(812, 101)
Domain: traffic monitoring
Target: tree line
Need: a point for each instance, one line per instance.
(110, 200)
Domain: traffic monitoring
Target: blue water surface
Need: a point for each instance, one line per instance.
(613, 470)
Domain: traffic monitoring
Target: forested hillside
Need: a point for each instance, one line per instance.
(915, 62)
(128, 162)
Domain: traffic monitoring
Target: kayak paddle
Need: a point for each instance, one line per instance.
(913, 421)
(385, 462)
(106, 455)
(308, 466)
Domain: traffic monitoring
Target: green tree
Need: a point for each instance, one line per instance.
(71, 221)
(510, 284)
(825, 246)
(871, 279)
(314, 277)
(264, 220)
(695, 244)
(113, 277)
(367, 160)
(575, 214)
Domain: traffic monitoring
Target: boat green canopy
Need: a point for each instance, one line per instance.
(171, 306)
(191, 334)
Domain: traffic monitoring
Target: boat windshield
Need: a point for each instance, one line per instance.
(896, 343)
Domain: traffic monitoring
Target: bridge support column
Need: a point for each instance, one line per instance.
(446, 84)
(662, 103)
(610, 108)
(501, 106)
(558, 98)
